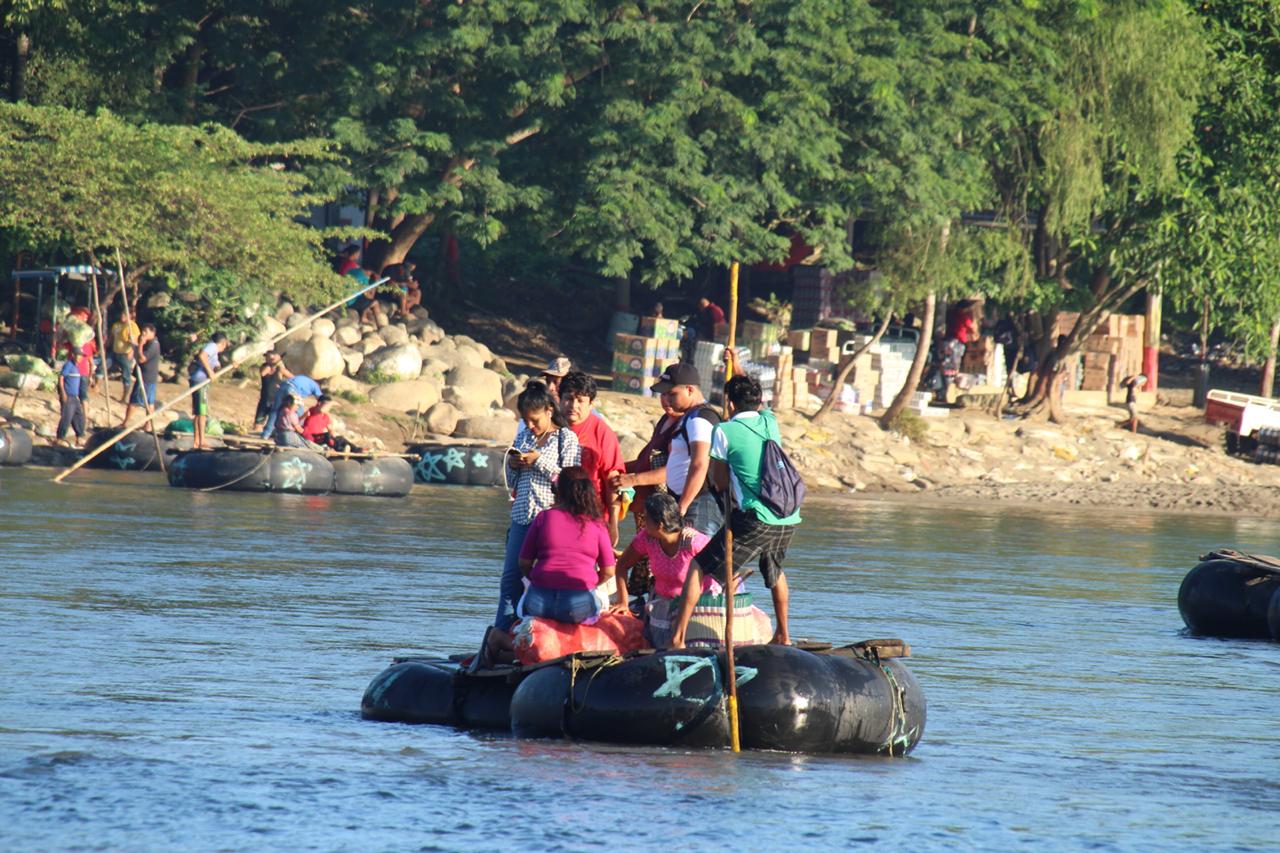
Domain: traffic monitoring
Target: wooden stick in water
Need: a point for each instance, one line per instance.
(102, 448)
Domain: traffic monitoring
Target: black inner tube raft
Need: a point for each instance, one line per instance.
(267, 470)
(15, 446)
(380, 476)
(790, 699)
(1229, 594)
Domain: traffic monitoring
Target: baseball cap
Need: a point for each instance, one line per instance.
(558, 367)
(681, 373)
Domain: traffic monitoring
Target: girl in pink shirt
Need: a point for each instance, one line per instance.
(567, 552)
(669, 547)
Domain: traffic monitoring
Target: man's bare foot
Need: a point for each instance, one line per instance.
(780, 639)
(677, 642)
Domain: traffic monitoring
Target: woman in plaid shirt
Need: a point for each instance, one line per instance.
(544, 446)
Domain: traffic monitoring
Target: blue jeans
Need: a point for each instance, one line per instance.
(561, 605)
(511, 587)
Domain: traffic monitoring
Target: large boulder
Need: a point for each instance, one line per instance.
(435, 367)
(371, 343)
(294, 320)
(284, 312)
(487, 428)
(269, 328)
(392, 364)
(317, 357)
(473, 389)
(354, 358)
(471, 355)
(442, 418)
(323, 327)
(395, 335)
(249, 351)
(345, 384)
(429, 332)
(347, 333)
(413, 395)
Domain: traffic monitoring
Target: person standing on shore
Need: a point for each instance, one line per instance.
(759, 532)
(271, 374)
(1132, 385)
(124, 337)
(543, 447)
(202, 368)
(146, 355)
(71, 415)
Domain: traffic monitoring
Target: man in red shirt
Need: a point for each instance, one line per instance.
(601, 455)
(710, 315)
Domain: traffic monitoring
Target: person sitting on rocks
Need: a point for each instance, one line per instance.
(316, 428)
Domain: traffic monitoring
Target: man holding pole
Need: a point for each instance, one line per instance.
(124, 337)
(758, 532)
(201, 369)
(146, 355)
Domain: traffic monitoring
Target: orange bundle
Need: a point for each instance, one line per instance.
(537, 639)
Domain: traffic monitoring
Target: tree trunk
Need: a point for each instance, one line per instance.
(1269, 368)
(1204, 330)
(18, 71)
(403, 237)
(622, 293)
(847, 368)
(917, 364)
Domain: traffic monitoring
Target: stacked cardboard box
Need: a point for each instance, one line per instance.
(639, 359)
(1111, 353)
(824, 345)
(760, 338)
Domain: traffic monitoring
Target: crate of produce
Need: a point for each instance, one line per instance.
(659, 327)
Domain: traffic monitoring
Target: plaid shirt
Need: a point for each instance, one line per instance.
(533, 485)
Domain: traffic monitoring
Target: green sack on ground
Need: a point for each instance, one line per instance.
(29, 364)
(212, 426)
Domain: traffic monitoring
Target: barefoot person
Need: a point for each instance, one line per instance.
(201, 368)
(758, 533)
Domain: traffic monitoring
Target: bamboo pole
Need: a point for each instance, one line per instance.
(102, 341)
(194, 388)
(731, 673)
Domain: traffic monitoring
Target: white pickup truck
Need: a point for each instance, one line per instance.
(1243, 415)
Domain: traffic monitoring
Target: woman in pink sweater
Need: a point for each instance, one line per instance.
(567, 552)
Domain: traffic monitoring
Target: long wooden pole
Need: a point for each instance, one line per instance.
(731, 672)
(102, 340)
(102, 448)
(137, 368)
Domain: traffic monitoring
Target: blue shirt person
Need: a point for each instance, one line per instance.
(299, 386)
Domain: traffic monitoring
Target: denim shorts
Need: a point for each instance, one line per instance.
(560, 605)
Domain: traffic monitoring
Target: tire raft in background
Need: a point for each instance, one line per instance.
(384, 476)
(789, 699)
(1229, 594)
(459, 464)
(269, 470)
(15, 446)
(136, 451)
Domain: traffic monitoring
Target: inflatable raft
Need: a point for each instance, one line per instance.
(381, 476)
(136, 451)
(1229, 594)
(459, 464)
(15, 446)
(271, 469)
(813, 698)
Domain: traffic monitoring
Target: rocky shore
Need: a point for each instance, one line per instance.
(406, 382)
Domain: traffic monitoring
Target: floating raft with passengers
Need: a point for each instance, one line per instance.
(291, 471)
(15, 446)
(1230, 594)
(810, 698)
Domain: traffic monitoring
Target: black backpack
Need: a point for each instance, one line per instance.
(781, 488)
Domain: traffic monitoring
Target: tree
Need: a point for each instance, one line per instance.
(1092, 142)
(171, 199)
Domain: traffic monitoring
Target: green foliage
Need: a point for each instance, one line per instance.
(174, 200)
(204, 301)
(349, 396)
(909, 424)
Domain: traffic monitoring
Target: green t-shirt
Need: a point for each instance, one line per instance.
(740, 443)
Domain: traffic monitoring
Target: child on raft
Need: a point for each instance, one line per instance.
(669, 545)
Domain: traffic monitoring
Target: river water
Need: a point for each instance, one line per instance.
(184, 670)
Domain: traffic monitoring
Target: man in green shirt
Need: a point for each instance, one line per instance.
(736, 448)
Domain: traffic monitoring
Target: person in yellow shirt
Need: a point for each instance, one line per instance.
(124, 336)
